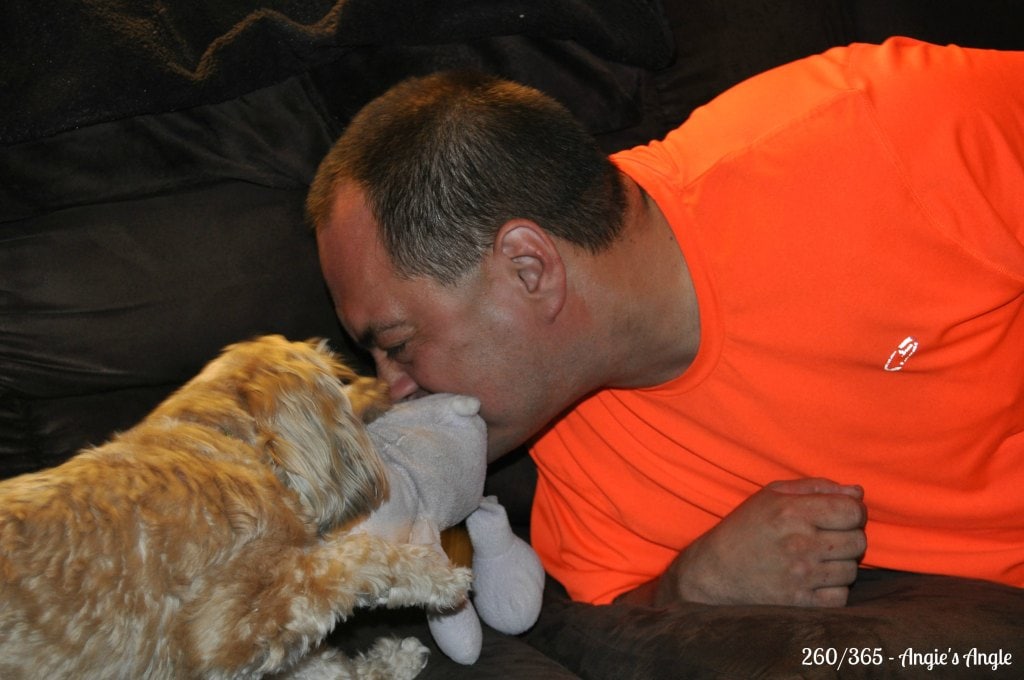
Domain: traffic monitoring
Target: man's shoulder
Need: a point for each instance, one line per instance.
(740, 117)
(901, 81)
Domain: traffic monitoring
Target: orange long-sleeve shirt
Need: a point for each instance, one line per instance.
(854, 225)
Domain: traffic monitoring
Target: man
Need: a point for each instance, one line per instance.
(819, 276)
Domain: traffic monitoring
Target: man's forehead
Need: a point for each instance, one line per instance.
(350, 214)
(354, 264)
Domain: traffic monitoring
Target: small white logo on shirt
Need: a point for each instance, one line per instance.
(899, 358)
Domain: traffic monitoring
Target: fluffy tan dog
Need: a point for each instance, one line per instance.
(209, 541)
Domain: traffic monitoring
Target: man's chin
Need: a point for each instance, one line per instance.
(501, 442)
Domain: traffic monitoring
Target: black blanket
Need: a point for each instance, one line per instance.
(77, 62)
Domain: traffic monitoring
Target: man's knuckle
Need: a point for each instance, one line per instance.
(860, 543)
(800, 570)
(796, 545)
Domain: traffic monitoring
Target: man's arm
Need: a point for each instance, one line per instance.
(793, 542)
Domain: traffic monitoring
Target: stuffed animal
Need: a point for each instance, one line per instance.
(434, 449)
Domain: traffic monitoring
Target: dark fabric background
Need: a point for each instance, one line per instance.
(132, 251)
(75, 63)
(154, 162)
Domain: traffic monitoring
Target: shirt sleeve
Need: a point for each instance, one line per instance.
(954, 120)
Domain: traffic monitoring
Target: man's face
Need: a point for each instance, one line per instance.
(426, 337)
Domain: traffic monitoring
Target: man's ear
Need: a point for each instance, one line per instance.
(532, 258)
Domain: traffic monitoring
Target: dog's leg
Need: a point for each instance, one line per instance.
(392, 659)
(270, 613)
(324, 663)
(388, 659)
(360, 570)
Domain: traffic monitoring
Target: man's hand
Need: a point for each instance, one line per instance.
(793, 542)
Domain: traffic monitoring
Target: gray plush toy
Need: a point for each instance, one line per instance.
(435, 451)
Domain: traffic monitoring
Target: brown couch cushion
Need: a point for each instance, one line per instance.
(888, 614)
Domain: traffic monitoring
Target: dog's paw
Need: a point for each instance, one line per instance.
(392, 659)
(425, 577)
(451, 593)
(447, 588)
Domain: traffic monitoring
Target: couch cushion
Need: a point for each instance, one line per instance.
(888, 614)
(132, 251)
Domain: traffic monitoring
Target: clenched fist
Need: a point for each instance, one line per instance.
(793, 542)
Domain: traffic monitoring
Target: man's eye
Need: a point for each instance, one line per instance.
(395, 352)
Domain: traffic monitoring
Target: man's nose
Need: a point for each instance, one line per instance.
(400, 384)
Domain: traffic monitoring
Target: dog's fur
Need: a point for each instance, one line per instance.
(210, 540)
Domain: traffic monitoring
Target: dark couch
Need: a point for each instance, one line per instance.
(154, 164)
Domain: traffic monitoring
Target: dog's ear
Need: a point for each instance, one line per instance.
(313, 437)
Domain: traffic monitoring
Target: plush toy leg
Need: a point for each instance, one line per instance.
(457, 633)
(508, 579)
